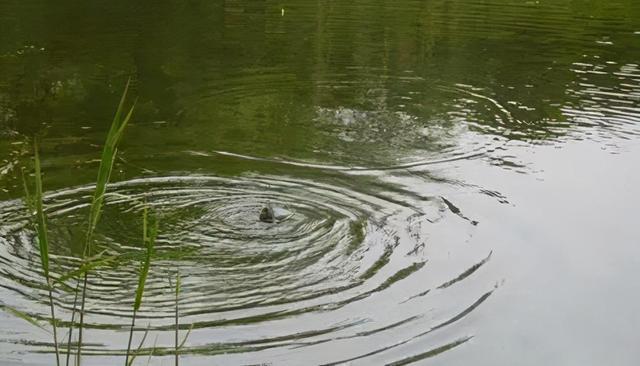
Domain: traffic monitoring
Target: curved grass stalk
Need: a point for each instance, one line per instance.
(139, 349)
(149, 234)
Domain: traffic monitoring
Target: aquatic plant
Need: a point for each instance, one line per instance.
(178, 345)
(149, 234)
(90, 259)
(36, 209)
(109, 153)
(177, 292)
(22, 315)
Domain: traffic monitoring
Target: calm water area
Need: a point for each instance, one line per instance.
(463, 179)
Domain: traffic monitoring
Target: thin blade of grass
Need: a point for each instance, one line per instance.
(73, 317)
(99, 260)
(104, 174)
(184, 340)
(149, 234)
(41, 222)
(88, 265)
(80, 326)
(178, 283)
(177, 293)
(155, 345)
(125, 122)
(137, 351)
(107, 160)
(149, 237)
(22, 315)
(28, 197)
(43, 242)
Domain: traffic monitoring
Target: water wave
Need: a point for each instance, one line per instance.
(347, 265)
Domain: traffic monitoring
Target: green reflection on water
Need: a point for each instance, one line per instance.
(240, 76)
(360, 83)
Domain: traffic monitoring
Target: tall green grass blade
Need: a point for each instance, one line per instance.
(109, 153)
(41, 222)
(43, 241)
(107, 159)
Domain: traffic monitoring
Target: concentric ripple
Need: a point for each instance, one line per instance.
(329, 273)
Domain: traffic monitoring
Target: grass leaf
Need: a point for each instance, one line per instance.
(149, 234)
(149, 238)
(27, 195)
(184, 340)
(22, 315)
(41, 222)
(137, 352)
(108, 157)
(43, 240)
(109, 152)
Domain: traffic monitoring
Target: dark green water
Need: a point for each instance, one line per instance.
(463, 177)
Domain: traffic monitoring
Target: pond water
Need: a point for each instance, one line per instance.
(462, 176)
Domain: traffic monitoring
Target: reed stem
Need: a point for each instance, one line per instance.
(109, 153)
(149, 234)
(177, 331)
(55, 328)
(133, 323)
(73, 316)
(80, 326)
(43, 241)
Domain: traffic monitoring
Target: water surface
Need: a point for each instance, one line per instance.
(462, 176)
